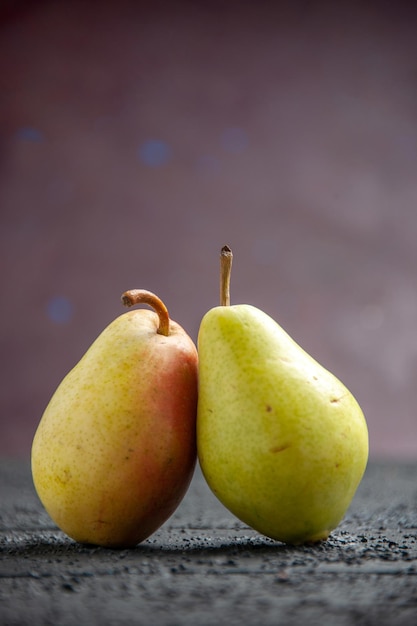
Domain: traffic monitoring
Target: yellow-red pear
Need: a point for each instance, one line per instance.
(115, 449)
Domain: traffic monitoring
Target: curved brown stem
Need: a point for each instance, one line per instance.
(141, 296)
(226, 258)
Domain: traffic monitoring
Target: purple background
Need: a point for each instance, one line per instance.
(138, 138)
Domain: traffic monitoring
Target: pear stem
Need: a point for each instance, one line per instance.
(141, 296)
(226, 259)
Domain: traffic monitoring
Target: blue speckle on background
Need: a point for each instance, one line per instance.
(26, 133)
(234, 140)
(154, 152)
(60, 309)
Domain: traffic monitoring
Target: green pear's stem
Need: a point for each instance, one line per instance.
(141, 296)
(226, 259)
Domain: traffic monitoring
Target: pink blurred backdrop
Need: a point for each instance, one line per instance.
(138, 138)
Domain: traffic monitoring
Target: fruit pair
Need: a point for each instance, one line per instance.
(281, 441)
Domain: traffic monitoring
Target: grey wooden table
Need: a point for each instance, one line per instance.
(205, 567)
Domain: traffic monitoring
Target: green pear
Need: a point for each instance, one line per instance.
(115, 449)
(281, 441)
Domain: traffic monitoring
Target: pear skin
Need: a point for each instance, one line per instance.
(115, 449)
(281, 441)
